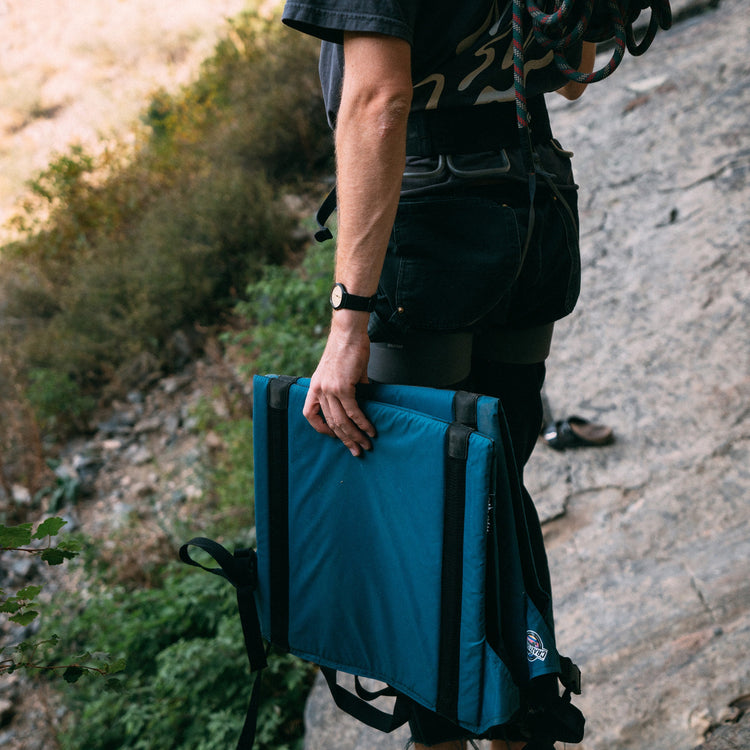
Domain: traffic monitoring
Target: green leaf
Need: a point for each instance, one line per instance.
(11, 605)
(24, 618)
(118, 665)
(56, 556)
(15, 536)
(72, 674)
(30, 592)
(50, 527)
(71, 545)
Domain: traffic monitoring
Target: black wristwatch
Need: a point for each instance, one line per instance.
(342, 300)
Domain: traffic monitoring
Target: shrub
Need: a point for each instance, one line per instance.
(21, 452)
(286, 315)
(57, 399)
(186, 684)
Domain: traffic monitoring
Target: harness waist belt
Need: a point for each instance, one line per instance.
(485, 127)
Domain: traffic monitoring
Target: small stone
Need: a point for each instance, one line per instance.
(139, 455)
(171, 424)
(21, 495)
(192, 492)
(647, 84)
(150, 424)
(213, 441)
(22, 568)
(175, 383)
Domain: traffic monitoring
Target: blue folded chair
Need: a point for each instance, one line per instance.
(411, 564)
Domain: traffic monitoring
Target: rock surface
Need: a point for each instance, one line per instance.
(649, 539)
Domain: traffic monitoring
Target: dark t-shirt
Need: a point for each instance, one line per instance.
(462, 53)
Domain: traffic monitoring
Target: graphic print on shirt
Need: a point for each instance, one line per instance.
(480, 70)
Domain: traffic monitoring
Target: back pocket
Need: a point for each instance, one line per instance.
(449, 262)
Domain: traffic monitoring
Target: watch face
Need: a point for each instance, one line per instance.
(337, 296)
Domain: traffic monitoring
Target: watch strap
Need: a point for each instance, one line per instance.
(343, 300)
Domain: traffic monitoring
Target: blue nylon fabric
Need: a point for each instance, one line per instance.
(347, 511)
(354, 524)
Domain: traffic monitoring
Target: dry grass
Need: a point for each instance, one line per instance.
(81, 71)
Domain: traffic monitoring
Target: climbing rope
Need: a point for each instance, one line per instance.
(576, 21)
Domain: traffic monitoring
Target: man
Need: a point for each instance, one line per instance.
(435, 231)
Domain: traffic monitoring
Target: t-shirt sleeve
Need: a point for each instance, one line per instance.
(329, 19)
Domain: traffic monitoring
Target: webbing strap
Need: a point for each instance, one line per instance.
(361, 709)
(327, 207)
(536, 592)
(465, 408)
(449, 665)
(278, 508)
(241, 570)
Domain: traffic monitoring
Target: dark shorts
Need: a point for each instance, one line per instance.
(460, 257)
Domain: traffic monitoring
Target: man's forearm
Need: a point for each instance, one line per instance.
(370, 155)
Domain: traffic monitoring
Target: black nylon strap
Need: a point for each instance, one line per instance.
(278, 508)
(241, 570)
(456, 455)
(371, 695)
(360, 709)
(532, 584)
(465, 408)
(327, 207)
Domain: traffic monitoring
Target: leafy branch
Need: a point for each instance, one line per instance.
(19, 606)
(27, 657)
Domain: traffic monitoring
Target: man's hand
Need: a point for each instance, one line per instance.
(331, 407)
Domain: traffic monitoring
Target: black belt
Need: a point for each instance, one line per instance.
(485, 127)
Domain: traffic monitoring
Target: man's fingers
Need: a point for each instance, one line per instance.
(358, 417)
(328, 417)
(344, 427)
(314, 415)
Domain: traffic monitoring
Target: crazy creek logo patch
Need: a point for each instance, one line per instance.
(534, 646)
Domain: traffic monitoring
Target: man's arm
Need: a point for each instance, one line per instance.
(370, 158)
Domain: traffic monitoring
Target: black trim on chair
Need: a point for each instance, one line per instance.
(278, 512)
(457, 452)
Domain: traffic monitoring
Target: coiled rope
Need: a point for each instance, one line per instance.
(576, 21)
(570, 23)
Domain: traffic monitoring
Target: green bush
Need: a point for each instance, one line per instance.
(186, 684)
(57, 399)
(287, 314)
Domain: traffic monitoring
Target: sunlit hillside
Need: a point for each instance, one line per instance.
(82, 70)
